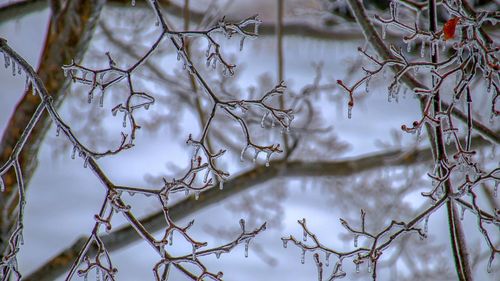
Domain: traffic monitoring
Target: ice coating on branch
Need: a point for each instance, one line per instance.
(247, 242)
(6, 60)
(285, 243)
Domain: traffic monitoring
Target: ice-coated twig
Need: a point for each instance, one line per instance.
(245, 237)
(376, 243)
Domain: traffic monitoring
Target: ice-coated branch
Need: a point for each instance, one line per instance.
(369, 250)
(102, 79)
(472, 60)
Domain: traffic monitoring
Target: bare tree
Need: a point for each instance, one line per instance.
(130, 77)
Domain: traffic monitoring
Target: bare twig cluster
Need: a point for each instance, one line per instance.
(203, 172)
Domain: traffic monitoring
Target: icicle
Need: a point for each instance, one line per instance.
(19, 69)
(369, 266)
(495, 188)
(124, 124)
(171, 238)
(285, 243)
(131, 193)
(133, 3)
(419, 131)
(305, 235)
(221, 184)
(422, 49)
(367, 85)
(384, 31)
(193, 254)
(256, 155)
(327, 259)
(217, 254)
(186, 192)
(91, 95)
(349, 111)
(2, 185)
(247, 242)
(426, 224)
(268, 158)
(86, 161)
(98, 274)
(6, 59)
(101, 100)
(13, 68)
(357, 267)
(205, 179)
(75, 148)
(408, 46)
(303, 257)
(162, 251)
(58, 131)
(27, 84)
(84, 74)
(196, 195)
(86, 277)
(490, 263)
(355, 241)
(242, 155)
(241, 43)
(492, 117)
(263, 120)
